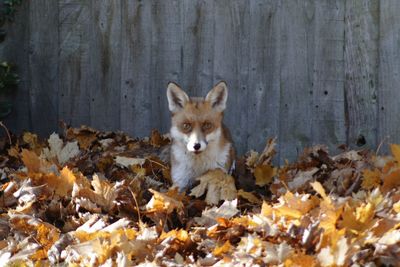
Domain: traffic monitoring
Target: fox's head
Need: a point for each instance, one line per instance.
(196, 121)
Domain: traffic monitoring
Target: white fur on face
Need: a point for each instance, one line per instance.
(194, 139)
(178, 135)
(215, 135)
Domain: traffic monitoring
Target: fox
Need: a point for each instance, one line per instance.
(200, 140)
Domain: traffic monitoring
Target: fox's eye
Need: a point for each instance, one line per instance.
(186, 126)
(206, 126)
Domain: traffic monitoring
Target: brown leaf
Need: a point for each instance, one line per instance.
(218, 184)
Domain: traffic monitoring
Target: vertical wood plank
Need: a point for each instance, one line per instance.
(326, 70)
(15, 49)
(43, 66)
(389, 72)
(166, 57)
(361, 70)
(231, 64)
(295, 99)
(198, 46)
(74, 105)
(105, 64)
(263, 87)
(136, 73)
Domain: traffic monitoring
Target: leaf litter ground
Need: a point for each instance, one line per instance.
(91, 198)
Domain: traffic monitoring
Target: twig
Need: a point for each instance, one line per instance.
(8, 133)
(380, 144)
(137, 205)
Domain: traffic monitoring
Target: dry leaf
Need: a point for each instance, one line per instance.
(227, 210)
(58, 151)
(371, 179)
(249, 196)
(218, 184)
(264, 174)
(126, 162)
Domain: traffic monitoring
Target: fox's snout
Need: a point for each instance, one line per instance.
(196, 143)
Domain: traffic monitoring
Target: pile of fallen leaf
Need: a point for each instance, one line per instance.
(90, 198)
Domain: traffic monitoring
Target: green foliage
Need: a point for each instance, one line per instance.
(8, 78)
(9, 9)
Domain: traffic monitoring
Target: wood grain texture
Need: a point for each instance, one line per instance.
(136, 68)
(166, 57)
(15, 50)
(325, 50)
(197, 47)
(74, 79)
(305, 71)
(231, 63)
(389, 72)
(296, 105)
(263, 86)
(43, 66)
(105, 64)
(361, 71)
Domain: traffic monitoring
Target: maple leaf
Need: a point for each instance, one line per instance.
(335, 255)
(218, 184)
(33, 163)
(165, 202)
(103, 195)
(227, 210)
(391, 180)
(84, 135)
(264, 174)
(371, 179)
(57, 150)
(46, 234)
(127, 162)
(225, 248)
(396, 152)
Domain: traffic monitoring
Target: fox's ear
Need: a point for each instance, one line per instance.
(218, 96)
(176, 97)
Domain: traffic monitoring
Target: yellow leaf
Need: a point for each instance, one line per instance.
(66, 182)
(165, 202)
(396, 206)
(395, 152)
(320, 190)
(371, 179)
(181, 235)
(300, 260)
(220, 250)
(266, 210)
(264, 174)
(359, 218)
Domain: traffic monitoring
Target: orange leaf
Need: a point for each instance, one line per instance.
(395, 152)
(30, 160)
(264, 174)
(371, 179)
(220, 250)
(390, 181)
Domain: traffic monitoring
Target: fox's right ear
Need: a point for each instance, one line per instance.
(176, 97)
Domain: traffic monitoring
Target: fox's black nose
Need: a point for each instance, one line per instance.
(197, 146)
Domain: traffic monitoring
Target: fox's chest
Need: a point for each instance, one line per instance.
(188, 166)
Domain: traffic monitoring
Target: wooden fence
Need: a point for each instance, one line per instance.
(305, 71)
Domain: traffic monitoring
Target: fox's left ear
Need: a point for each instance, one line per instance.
(218, 96)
